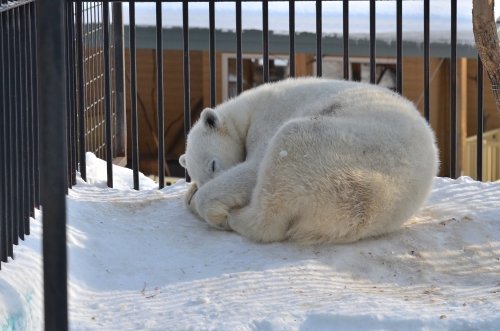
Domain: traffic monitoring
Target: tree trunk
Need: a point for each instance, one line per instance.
(487, 42)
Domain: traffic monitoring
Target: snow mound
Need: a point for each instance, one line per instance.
(140, 260)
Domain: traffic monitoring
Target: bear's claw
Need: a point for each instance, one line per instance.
(189, 198)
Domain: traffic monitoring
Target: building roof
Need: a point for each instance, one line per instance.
(305, 42)
(305, 24)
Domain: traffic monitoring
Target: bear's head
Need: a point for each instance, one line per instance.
(212, 147)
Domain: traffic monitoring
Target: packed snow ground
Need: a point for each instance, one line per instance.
(139, 260)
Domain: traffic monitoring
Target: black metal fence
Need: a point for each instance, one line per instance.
(96, 120)
(211, 45)
(79, 54)
(19, 184)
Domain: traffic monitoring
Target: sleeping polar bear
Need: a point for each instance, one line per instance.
(311, 160)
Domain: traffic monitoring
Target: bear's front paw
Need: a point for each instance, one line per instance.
(217, 216)
(189, 201)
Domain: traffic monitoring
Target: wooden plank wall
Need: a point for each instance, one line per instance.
(413, 89)
(173, 99)
(491, 117)
(173, 103)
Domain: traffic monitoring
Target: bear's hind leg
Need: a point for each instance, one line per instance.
(261, 222)
(277, 202)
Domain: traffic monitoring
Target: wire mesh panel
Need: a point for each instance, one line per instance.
(93, 77)
(98, 107)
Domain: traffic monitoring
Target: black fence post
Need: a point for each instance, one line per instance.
(3, 170)
(291, 32)
(52, 106)
(345, 36)
(119, 79)
(211, 39)
(107, 96)
(133, 97)
(81, 91)
(185, 63)
(159, 96)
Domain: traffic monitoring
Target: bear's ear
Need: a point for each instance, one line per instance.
(209, 118)
(182, 160)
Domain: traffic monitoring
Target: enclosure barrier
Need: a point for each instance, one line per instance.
(19, 178)
(109, 156)
(64, 91)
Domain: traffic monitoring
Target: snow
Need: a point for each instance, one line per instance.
(305, 12)
(139, 260)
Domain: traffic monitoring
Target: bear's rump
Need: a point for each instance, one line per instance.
(340, 181)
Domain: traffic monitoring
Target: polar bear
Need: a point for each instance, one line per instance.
(311, 160)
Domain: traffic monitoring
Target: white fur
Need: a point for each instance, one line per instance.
(311, 160)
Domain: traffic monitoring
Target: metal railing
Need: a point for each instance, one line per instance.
(19, 177)
(96, 120)
(319, 53)
(63, 70)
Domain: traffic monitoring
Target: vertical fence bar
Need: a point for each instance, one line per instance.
(3, 255)
(453, 93)
(69, 94)
(34, 88)
(239, 59)
(72, 86)
(29, 211)
(9, 206)
(480, 120)
(213, 88)
(81, 91)
(14, 127)
(120, 148)
(52, 102)
(91, 114)
(265, 40)
(101, 89)
(133, 96)
(372, 42)
(3, 138)
(319, 38)
(27, 119)
(427, 60)
(21, 104)
(159, 96)
(185, 47)
(94, 84)
(345, 36)
(399, 46)
(24, 125)
(29, 122)
(291, 28)
(107, 96)
(19, 128)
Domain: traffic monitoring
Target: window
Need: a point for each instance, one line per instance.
(252, 72)
(359, 70)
